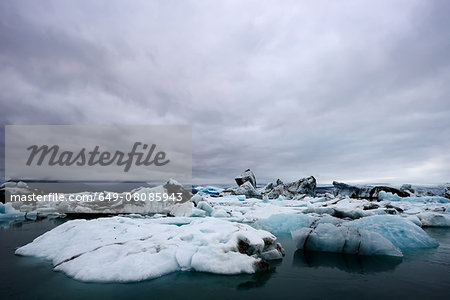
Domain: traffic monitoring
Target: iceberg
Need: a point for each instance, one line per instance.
(247, 176)
(431, 219)
(122, 249)
(285, 223)
(327, 237)
(246, 189)
(401, 232)
(373, 235)
(208, 191)
(367, 192)
(7, 211)
(293, 190)
(387, 196)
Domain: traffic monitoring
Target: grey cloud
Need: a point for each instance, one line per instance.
(348, 91)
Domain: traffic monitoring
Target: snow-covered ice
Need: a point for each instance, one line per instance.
(122, 249)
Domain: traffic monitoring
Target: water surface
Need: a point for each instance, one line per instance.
(422, 274)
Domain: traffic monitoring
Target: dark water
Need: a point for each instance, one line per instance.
(423, 274)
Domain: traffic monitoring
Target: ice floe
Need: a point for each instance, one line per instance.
(121, 249)
(327, 237)
(375, 235)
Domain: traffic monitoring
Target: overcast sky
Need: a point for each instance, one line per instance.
(355, 91)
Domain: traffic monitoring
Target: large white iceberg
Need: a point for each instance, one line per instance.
(121, 249)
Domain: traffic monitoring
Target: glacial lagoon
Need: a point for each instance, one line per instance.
(419, 274)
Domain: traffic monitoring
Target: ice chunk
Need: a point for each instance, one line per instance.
(434, 219)
(414, 219)
(370, 192)
(246, 189)
(197, 212)
(196, 199)
(327, 237)
(247, 176)
(219, 213)
(120, 249)
(203, 205)
(209, 190)
(187, 209)
(7, 211)
(293, 190)
(182, 210)
(386, 196)
(285, 223)
(402, 233)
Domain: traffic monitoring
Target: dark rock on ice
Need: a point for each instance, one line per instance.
(370, 206)
(247, 176)
(365, 192)
(352, 191)
(376, 190)
(296, 189)
(246, 189)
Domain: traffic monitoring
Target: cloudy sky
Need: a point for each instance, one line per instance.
(356, 91)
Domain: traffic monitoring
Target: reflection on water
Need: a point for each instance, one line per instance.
(346, 262)
(19, 222)
(261, 278)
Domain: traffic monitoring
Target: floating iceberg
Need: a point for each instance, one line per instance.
(431, 219)
(7, 211)
(285, 223)
(246, 189)
(387, 196)
(401, 232)
(374, 235)
(327, 237)
(294, 190)
(121, 249)
(247, 176)
(209, 190)
(368, 192)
